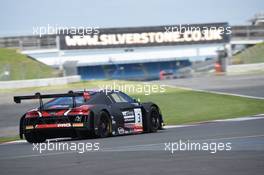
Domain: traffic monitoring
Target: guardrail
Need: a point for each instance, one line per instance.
(38, 82)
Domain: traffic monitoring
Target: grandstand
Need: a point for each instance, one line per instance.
(134, 71)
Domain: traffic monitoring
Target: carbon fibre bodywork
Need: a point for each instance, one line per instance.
(80, 114)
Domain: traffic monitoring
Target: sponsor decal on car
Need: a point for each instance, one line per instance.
(60, 125)
(121, 130)
(77, 124)
(138, 116)
(134, 128)
(129, 116)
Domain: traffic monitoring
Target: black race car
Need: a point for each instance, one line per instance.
(84, 114)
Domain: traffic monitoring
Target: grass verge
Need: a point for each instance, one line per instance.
(16, 66)
(254, 54)
(185, 106)
(8, 139)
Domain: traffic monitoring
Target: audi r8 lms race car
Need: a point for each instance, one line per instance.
(83, 114)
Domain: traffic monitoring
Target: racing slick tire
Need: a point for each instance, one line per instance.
(152, 122)
(104, 126)
(32, 137)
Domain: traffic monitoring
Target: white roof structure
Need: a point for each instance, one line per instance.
(56, 58)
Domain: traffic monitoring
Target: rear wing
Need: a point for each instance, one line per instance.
(17, 99)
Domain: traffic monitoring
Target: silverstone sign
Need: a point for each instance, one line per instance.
(147, 36)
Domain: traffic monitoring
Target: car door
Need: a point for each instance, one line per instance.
(129, 112)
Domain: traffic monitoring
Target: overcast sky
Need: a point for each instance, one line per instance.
(18, 17)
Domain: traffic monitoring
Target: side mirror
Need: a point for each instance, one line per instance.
(136, 100)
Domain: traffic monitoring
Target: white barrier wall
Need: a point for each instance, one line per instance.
(245, 68)
(39, 82)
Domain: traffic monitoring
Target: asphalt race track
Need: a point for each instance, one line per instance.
(145, 153)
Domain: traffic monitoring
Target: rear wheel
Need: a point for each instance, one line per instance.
(85, 133)
(104, 126)
(33, 137)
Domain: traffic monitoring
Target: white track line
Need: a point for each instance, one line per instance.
(177, 126)
(145, 146)
(216, 92)
(261, 116)
(24, 141)
(127, 148)
(14, 142)
(254, 117)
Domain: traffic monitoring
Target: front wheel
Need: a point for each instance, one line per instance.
(152, 121)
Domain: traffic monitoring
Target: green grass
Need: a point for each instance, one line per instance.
(254, 54)
(8, 139)
(22, 67)
(185, 106)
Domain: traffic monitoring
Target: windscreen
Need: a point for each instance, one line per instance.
(63, 102)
